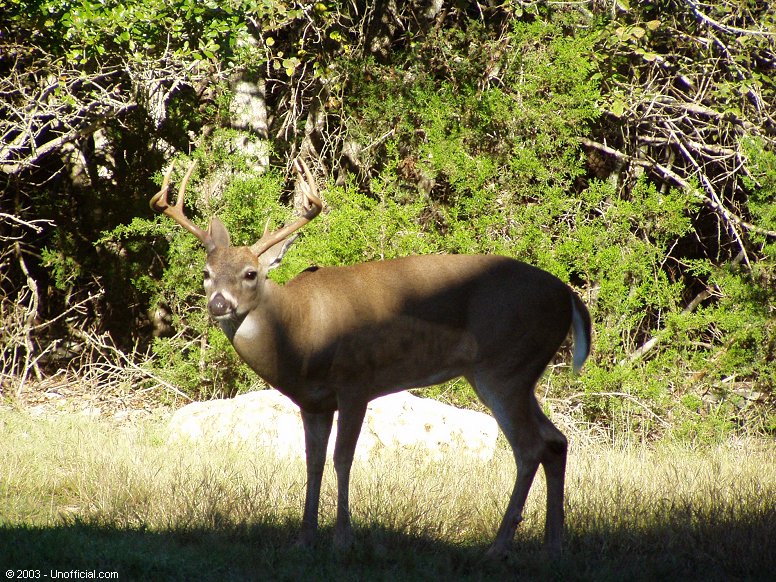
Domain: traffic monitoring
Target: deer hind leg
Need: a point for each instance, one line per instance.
(554, 464)
(317, 428)
(349, 421)
(534, 441)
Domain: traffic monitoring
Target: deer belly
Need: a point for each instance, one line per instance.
(402, 355)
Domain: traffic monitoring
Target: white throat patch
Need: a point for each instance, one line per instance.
(249, 328)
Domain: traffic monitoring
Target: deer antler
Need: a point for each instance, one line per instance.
(159, 203)
(313, 208)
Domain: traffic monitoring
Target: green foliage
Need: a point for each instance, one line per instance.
(472, 167)
(761, 182)
(86, 30)
(181, 33)
(467, 138)
(357, 227)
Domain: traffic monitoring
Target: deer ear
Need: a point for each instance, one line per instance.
(271, 258)
(218, 233)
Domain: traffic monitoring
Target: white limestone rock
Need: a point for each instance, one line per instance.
(267, 419)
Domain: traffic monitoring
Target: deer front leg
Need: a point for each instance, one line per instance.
(349, 421)
(317, 428)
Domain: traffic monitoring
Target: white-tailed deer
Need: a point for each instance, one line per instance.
(334, 338)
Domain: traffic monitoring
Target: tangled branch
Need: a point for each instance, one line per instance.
(45, 103)
(695, 94)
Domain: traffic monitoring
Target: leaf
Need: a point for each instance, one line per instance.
(653, 24)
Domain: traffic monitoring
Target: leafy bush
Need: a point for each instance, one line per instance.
(567, 139)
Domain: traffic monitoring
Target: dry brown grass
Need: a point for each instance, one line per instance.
(662, 510)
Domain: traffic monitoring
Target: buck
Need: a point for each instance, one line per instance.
(334, 338)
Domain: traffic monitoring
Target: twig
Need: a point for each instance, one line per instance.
(655, 340)
(124, 362)
(724, 28)
(35, 224)
(628, 397)
(728, 216)
(31, 312)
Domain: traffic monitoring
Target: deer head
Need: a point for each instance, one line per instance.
(234, 276)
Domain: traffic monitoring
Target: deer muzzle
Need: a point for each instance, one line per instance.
(219, 306)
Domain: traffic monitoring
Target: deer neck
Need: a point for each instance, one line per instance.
(260, 337)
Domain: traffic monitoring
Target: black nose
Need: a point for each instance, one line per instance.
(218, 305)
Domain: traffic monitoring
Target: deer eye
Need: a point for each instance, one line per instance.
(206, 274)
(250, 275)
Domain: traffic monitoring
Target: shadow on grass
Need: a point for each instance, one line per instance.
(266, 552)
(258, 552)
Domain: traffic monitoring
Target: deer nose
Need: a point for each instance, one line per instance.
(218, 306)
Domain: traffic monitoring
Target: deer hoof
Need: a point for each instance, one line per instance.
(343, 540)
(305, 541)
(496, 553)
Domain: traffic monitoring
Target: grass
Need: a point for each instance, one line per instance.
(81, 494)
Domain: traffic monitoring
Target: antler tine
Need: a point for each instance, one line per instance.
(310, 189)
(159, 203)
(182, 189)
(314, 208)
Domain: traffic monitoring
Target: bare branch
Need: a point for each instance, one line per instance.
(45, 103)
(724, 28)
(681, 182)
